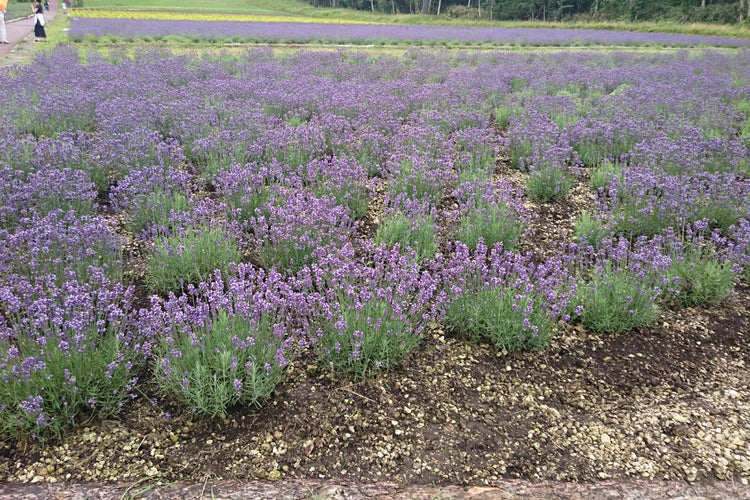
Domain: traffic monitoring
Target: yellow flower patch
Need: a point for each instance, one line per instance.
(199, 16)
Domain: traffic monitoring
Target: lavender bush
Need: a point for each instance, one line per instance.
(295, 224)
(226, 341)
(344, 180)
(620, 284)
(189, 256)
(702, 265)
(739, 246)
(490, 212)
(23, 196)
(411, 227)
(603, 175)
(505, 298)
(369, 317)
(67, 354)
(591, 231)
(62, 246)
(153, 198)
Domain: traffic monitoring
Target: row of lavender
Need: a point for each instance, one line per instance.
(339, 204)
(305, 32)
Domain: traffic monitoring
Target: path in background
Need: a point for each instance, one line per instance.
(21, 30)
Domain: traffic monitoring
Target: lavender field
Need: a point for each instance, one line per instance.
(190, 226)
(85, 28)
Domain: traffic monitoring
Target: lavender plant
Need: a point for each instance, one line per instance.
(246, 188)
(227, 341)
(601, 176)
(598, 140)
(68, 353)
(505, 298)
(160, 212)
(370, 317)
(591, 231)
(476, 151)
(343, 179)
(416, 179)
(701, 265)
(153, 198)
(23, 196)
(490, 212)
(411, 227)
(62, 246)
(739, 247)
(189, 256)
(620, 285)
(548, 183)
(295, 224)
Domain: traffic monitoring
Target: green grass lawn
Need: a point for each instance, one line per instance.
(16, 10)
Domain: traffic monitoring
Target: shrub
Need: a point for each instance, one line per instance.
(402, 231)
(503, 114)
(704, 272)
(188, 257)
(615, 300)
(590, 231)
(227, 341)
(417, 180)
(504, 298)
(36, 194)
(619, 285)
(154, 198)
(739, 247)
(62, 245)
(548, 184)
(601, 176)
(246, 188)
(67, 354)
(344, 180)
(160, 211)
(491, 223)
(294, 224)
(370, 316)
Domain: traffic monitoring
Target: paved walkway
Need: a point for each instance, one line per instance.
(21, 31)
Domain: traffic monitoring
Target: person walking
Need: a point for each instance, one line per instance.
(39, 31)
(3, 31)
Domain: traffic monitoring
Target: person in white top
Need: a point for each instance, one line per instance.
(39, 31)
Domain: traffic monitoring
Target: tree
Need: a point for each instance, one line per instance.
(425, 7)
